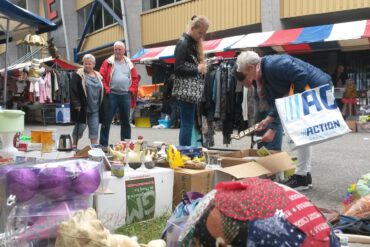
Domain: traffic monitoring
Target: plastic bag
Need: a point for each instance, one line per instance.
(360, 208)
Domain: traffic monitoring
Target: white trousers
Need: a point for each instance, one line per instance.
(304, 156)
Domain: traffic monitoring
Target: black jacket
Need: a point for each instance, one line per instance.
(186, 51)
(79, 98)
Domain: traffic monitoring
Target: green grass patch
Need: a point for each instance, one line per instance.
(145, 231)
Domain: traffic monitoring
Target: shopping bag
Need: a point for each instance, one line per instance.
(311, 117)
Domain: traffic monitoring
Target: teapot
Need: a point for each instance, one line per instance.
(65, 143)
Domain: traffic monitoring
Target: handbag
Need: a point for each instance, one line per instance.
(311, 117)
(188, 88)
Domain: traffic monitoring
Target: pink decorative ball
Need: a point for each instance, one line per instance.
(54, 182)
(87, 181)
(22, 183)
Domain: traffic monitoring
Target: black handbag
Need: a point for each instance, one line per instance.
(188, 88)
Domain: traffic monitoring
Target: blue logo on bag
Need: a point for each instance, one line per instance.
(310, 101)
(322, 127)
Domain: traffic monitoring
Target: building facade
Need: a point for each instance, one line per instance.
(153, 23)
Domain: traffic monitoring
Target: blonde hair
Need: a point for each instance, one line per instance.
(196, 23)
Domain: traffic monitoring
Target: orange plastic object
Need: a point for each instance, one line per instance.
(146, 91)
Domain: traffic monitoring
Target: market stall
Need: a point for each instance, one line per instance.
(41, 96)
(15, 23)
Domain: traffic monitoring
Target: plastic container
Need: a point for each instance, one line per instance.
(11, 121)
(143, 122)
(165, 122)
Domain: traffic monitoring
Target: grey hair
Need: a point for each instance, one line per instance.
(119, 43)
(247, 58)
(88, 57)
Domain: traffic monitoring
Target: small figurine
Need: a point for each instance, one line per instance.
(349, 99)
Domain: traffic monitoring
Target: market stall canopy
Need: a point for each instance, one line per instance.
(21, 22)
(58, 63)
(341, 36)
(220, 47)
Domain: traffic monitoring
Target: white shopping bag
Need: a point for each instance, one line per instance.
(311, 117)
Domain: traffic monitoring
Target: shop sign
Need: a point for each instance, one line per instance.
(52, 13)
(140, 199)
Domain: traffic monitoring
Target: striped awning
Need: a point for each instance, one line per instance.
(341, 36)
(167, 53)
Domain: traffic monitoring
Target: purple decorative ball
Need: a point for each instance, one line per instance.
(22, 183)
(87, 181)
(54, 182)
(4, 170)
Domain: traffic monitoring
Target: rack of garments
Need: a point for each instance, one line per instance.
(222, 101)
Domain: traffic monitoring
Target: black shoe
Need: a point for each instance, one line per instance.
(297, 182)
(309, 180)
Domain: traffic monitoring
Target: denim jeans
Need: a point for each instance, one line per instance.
(187, 116)
(122, 103)
(276, 143)
(92, 122)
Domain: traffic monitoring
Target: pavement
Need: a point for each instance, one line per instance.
(335, 164)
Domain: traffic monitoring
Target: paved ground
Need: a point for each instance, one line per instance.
(336, 163)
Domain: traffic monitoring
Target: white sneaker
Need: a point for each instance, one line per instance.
(132, 125)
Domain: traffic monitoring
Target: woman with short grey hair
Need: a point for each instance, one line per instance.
(87, 95)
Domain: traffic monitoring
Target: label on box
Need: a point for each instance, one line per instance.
(140, 199)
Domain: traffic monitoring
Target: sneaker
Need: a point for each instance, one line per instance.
(105, 149)
(132, 125)
(309, 179)
(297, 182)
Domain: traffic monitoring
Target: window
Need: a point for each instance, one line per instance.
(164, 2)
(98, 18)
(101, 17)
(108, 18)
(152, 4)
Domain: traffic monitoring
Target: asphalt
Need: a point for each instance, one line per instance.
(335, 164)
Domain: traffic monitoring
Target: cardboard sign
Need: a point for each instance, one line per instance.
(140, 199)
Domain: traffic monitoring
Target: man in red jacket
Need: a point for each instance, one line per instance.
(120, 81)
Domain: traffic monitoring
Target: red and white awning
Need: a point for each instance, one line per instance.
(167, 53)
(344, 36)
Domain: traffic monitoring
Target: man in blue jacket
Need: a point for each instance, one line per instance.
(278, 76)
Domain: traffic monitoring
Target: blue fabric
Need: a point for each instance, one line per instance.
(92, 122)
(276, 143)
(274, 231)
(122, 103)
(187, 115)
(280, 71)
(314, 34)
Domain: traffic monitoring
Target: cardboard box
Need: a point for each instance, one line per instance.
(352, 125)
(240, 157)
(191, 180)
(363, 127)
(246, 163)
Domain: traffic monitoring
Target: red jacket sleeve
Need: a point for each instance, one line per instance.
(105, 74)
(135, 81)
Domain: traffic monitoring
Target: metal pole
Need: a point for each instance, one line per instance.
(125, 29)
(6, 64)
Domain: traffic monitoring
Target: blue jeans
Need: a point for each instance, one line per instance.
(276, 143)
(122, 103)
(187, 116)
(92, 122)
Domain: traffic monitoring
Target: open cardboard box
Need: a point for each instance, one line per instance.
(246, 163)
(234, 167)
